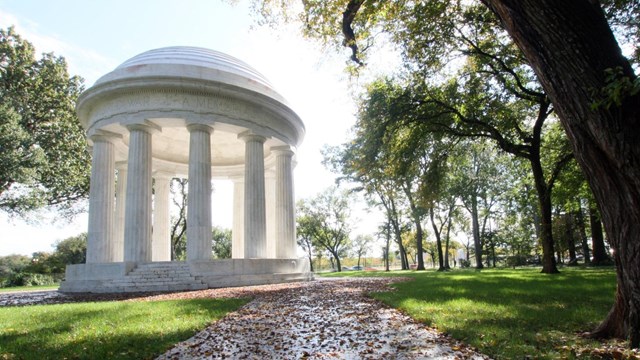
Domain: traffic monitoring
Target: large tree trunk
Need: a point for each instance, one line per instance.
(570, 46)
(600, 256)
(475, 225)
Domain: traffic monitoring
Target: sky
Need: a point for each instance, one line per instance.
(96, 36)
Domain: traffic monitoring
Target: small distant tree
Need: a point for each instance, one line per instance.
(305, 240)
(326, 219)
(221, 242)
(361, 246)
(179, 219)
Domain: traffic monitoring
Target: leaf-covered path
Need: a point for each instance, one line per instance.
(324, 319)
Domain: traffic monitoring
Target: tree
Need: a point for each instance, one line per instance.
(478, 178)
(72, 250)
(325, 218)
(44, 159)
(221, 242)
(179, 220)
(11, 265)
(304, 231)
(596, 94)
(361, 245)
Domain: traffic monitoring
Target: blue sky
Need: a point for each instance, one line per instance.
(96, 36)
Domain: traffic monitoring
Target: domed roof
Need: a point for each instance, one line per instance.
(195, 63)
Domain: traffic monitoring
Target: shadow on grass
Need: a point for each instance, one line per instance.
(114, 330)
(507, 313)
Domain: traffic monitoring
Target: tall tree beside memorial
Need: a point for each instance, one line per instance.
(44, 159)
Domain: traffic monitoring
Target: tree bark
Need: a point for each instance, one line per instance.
(438, 240)
(544, 202)
(600, 256)
(416, 220)
(571, 241)
(475, 225)
(583, 236)
(570, 46)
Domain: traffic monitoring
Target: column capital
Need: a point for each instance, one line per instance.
(104, 136)
(199, 127)
(283, 150)
(248, 136)
(146, 126)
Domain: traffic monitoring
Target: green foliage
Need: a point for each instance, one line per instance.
(30, 279)
(486, 308)
(516, 260)
(12, 264)
(43, 152)
(325, 220)
(105, 330)
(179, 220)
(618, 87)
(221, 242)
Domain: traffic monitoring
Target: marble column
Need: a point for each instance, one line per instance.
(101, 200)
(270, 212)
(118, 232)
(254, 197)
(237, 240)
(161, 238)
(199, 197)
(285, 204)
(138, 207)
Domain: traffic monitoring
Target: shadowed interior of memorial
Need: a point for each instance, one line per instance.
(198, 114)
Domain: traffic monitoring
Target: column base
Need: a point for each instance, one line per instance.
(182, 276)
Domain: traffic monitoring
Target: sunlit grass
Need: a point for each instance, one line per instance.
(29, 288)
(507, 314)
(105, 330)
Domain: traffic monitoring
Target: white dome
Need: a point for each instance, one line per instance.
(170, 88)
(194, 63)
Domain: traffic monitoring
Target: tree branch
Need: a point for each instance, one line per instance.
(347, 30)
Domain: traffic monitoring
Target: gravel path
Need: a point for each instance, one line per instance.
(322, 319)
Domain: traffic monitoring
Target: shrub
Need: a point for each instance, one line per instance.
(516, 260)
(30, 279)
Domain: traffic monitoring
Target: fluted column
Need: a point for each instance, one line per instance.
(285, 204)
(161, 238)
(254, 197)
(101, 200)
(118, 232)
(199, 197)
(270, 212)
(237, 241)
(138, 207)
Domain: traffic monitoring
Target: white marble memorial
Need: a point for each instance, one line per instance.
(190, 113)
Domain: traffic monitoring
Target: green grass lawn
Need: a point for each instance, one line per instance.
(508, 314)
(105, 330)
(29, 288)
